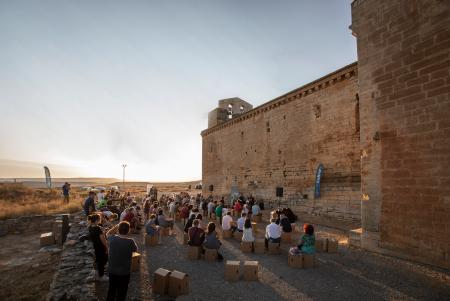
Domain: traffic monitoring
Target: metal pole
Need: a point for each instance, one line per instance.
(123, 178)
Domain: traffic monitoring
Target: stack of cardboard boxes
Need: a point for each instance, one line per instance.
(233, 270)
(172, 283)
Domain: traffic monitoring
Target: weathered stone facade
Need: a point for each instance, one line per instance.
(404, 87)
(282, 142)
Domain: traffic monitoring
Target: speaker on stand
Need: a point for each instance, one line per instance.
(279, 194)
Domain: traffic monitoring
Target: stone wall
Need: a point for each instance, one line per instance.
(74, 278)
(282, 142)
(27, 224)
(404, 88)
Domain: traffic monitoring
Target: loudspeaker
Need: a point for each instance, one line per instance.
(279, 192)
(211, 188)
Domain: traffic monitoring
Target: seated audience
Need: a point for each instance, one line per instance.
(211, 240)
(307, 240)
(163, 221)
(196, 234)
(121, 249)
(89, 204)
(256, 210)
(285, 223)
(227, 223)
(241, 221)
(189, 223)
(273, 233)
(152, 229)
(248, 232)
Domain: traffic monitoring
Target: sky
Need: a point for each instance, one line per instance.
(89, 85)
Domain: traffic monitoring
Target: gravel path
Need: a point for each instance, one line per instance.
(350, 274)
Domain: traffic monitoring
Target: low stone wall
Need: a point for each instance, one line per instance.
(74, 278)
(27, 224)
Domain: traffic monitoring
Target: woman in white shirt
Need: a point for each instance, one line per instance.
(248, 232)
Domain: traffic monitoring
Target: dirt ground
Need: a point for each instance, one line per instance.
(350, 274)
(25, 273)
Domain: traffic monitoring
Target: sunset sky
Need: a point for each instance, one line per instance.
(88, 85)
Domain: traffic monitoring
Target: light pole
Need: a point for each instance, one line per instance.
(123, 179)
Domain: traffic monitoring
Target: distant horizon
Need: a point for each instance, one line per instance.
(86, 87)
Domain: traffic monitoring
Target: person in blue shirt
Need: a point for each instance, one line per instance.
(89, 204)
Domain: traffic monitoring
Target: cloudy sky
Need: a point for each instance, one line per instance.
(89, 85)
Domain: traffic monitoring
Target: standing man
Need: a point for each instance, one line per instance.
(66, 192)
(121, 250)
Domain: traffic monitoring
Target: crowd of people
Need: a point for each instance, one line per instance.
(112, 216)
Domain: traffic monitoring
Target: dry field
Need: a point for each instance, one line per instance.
(18, 200)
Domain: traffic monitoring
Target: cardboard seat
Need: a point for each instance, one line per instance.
(257, 218)
(251, 270)
(211, 254)
(308, 260)
(193, 252)
(246, 246)
(320, 245)
(227, 233)
(135, 261)
(255, 227)
(259, 246)
(178, 284)
(286, 237)
(332, 245)
(151, 240)
(185, 238)
(47, 239)
(161, 281)
(295, 261)
(238, 235)
(232, 270)
(274, 248)
(165, 231)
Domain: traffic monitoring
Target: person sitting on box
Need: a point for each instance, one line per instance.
(152, 229)
(163, 222)
(121, 250)
(196, 235)
(273, 233)
(219, 212)
(211, 240)
(238, 207)
(256, 210)
(285, 223)
(100, 246)
(184, 213)
(248, 232)
(130, 218)
(241, 221)
(307, 240)
(227, 223)
(199, 217)
(189, 223)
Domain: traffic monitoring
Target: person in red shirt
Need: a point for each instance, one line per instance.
(130, 218)
(238, 208)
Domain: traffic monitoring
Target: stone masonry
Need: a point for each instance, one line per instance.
(404, 87)
(281, 143)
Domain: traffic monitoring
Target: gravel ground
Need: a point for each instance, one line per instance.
(350, 274)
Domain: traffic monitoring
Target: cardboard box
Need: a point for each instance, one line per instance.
(232, 270)
(255, 227)
(47, 239)
(227, 234)
(165, 231)
(308, 261)
(193, 253)
(286, 237)
(251, 270)
(177, 217)
(274, 248)
(135, 261)
(246, 246)
(210, 254)
(151, 240)
(320, 245)
(332, 246)
(161, 281)
(260, 246)
(185, 238)
(295, 261)
(178, 284)
(257, 218)
(238, 235)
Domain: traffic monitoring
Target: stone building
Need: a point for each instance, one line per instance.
(380, 128)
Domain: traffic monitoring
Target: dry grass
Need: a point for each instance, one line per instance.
(17, 200)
